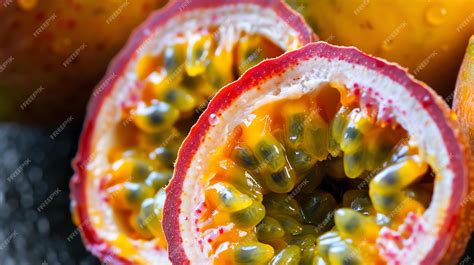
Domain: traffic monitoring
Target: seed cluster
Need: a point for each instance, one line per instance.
(300, 185)
(176, 86)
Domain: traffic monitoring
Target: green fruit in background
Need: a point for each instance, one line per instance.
(428, 37)
(53, 53)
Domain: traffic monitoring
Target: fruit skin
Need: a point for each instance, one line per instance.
(105, 93)
(464, 93)
(36, 44)
(428, 37)
(457, 224)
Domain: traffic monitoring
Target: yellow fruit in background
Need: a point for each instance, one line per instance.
(428, 37)
(53, 53)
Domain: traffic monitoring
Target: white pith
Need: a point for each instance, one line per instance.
(308, 76)
(249, 18)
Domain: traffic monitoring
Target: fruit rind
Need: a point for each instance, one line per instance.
(347, 64)
(102, 110)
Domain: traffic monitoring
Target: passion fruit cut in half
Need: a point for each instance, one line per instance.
(324, 155)
(161, 82)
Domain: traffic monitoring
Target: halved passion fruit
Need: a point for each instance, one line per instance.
(324, 155)
(154, 90)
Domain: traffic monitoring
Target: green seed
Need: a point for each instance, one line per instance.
(325, 242)
(385, 203)
(166, 155)
(269, 229)
(352, 139)
(318, 207)
(420, 194)
(174, 58)
(313, 179)
(290, 255)
(180, 98)
(281, 204)
(245, 157)
(339, 123)
(246, 183)
(155, 117)
(308, 256)
(316, 141)
(335, 168)
(289, 224)
(303, 240)
(227, 198)
(271, 152)
(295, 129)
(250, 216)
(158, 179)
(354, 225)
(354, 164)
(300, 161)
(253, 253)
(282, 181)
(136, 193)
(343, 254)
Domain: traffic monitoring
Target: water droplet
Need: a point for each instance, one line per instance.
(27, 5)
(426, 101)
(435, 14)
(213, 119)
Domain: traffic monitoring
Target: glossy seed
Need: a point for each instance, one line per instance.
(226, 197)
(198, 53)
(309, 255)
(318, 207)
(300, 160)
(316, 141)
(246, 183)
(158, 179)
(289, 224)
(343, 254)
(290, 255)
(313, 179)
(135, 193)
(245, 157)
(174, 58)
(281, 204)
(271, 152)
(303, 240)
(253, 253)
(269, 229)
(420, 194)
(295, 129)
(180, 99)
(354, 164)
(129, 169)
(339, 123)
(352, 139)
(250, 216)
(165, 155)
(282, 181)
(385, 203)
(155, 117)
(325, 242)
(354, 225)
(138, 227)
(358, 200)
(398, 176)
(220, 71)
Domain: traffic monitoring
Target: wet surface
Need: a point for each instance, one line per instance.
(35, 221)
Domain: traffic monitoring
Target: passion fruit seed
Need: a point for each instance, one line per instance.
(253, 253)
(315, 207)
(290, 255)
(155, 117)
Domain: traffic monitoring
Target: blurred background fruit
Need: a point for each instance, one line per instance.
(464, 94)
(52, 53)
(428, 37)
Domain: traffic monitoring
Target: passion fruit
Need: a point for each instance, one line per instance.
(426, 36)
(162, 81)
(324, 155)
(53, 53)
(464, 93)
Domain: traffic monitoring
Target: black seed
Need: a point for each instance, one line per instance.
(245, 157)
(296, 128)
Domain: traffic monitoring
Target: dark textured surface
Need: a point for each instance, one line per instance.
(34, 197)
(35, 220)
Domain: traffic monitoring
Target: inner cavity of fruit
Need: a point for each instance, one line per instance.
(310, 181)
(173, 87)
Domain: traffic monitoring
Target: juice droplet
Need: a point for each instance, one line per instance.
(27, 5)
(435, 14)
(213, 119)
